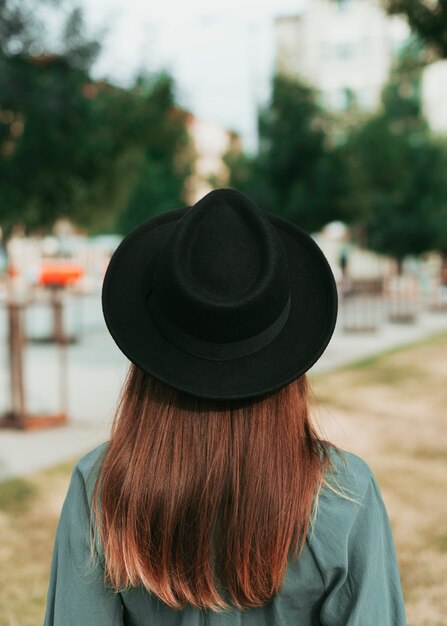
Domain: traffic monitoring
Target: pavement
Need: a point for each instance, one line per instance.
(96, 370)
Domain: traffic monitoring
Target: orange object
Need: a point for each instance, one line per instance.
(12, 270)
(57, 273)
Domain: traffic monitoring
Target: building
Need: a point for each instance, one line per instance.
(210, 143)
(344, 48)
(434, 90)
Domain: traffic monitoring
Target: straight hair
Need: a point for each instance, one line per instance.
(202, 502)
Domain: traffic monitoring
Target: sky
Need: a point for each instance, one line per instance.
(220, 52)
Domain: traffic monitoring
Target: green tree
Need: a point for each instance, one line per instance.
(18, 27)
(297, 172)
(427, 19)
(397, 185)
(438, 189)
(70, 147)
(22, 31)
(164, 160)
(44, 115)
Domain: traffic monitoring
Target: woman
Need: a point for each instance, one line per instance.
(215, 501)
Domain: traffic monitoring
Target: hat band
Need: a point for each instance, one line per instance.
(214, 351)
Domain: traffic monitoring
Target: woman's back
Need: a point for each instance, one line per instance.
(215, 500)
(346, 575)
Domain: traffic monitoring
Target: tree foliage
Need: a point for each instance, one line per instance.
(398, 188)
(427, 18)
(18, 29)
(22, 31)
(71, 147)
(164, 156)
(385, 175)
(44, 115)
(297, 173)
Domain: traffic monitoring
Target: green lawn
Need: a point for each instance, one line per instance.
(29, 510)
(390, 410)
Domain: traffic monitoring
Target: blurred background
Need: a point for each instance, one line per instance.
(330, 113)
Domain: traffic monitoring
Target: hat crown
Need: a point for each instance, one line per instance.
(222, 273)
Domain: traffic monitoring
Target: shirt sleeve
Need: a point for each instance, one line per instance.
(76, 591)
(367, 591)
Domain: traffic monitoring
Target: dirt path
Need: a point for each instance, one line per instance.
(392, 411)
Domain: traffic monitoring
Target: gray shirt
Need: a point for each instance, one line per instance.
(347, 574)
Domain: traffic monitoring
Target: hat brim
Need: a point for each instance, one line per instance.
(300, 343)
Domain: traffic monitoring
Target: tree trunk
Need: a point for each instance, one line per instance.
(444, 269)
(17, 345)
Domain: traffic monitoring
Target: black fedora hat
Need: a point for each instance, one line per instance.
(220, 299)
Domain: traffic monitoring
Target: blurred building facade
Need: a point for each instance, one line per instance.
(210, 143)
(434, 89)
(342, 48)
(345, 49)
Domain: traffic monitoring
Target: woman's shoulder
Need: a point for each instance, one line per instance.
(348, 472)
(349, 487)
(88, 465)
(90, 459)
(347, 484)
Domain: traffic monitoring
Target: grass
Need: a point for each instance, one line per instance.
(379, 359)
(29, 511)
(16, 496)
(389, 409)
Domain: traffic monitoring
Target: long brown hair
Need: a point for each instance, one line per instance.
(198, 498)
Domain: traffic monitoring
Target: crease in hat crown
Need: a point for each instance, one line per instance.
(221, 276)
